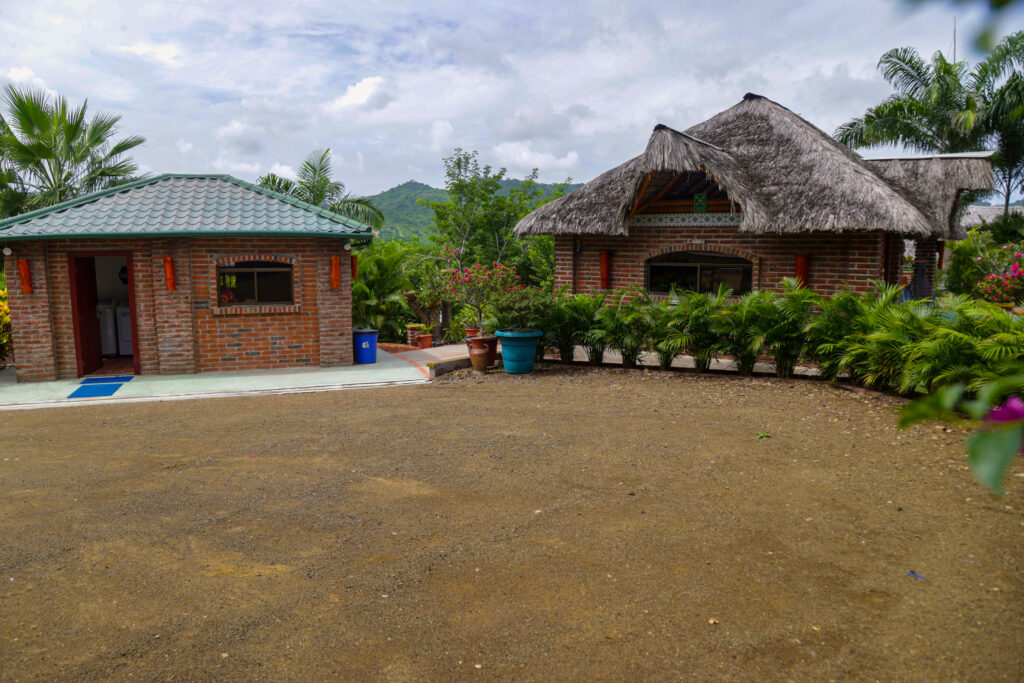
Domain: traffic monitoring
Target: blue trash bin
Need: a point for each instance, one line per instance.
(365, 341)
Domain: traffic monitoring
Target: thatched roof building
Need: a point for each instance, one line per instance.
(779, 173)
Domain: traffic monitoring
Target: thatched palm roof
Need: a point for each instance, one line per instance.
(786, 175)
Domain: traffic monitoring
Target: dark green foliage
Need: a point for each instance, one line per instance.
(785, 332)
(409, 218)
(50, 152)
(314, 185)
(525, 308)
(742, 328)
(622, 326)
(972, 259)
(406, 217)
(477, 218)
(378, 295)
(837, 318)
(1005, 229)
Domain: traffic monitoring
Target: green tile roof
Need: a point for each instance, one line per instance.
(181, 204)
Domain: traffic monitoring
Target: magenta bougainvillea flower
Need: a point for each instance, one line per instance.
(1011, 411)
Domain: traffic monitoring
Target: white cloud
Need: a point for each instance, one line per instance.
(283, 170)
(183, 145)
(168, 54)
(242, 137)
(520, 156)
(232, 166)
(440, 134)
(368, 94)
(22, 75)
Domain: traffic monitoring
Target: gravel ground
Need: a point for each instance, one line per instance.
(572, 524)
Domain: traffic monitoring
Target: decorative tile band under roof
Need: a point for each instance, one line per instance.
(687, 219)
(182, 205)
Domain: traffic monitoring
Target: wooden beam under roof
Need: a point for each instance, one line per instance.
(661, 193)
(640, 195)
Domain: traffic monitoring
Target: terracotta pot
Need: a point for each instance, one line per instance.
(478, 355)
(424, 341)
(472, 331)
(492, 347)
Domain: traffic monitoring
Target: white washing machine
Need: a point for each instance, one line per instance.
(124, 329)
(106, 312)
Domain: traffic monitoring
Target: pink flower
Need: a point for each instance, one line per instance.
(1011, 411)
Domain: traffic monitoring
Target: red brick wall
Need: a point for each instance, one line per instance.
(834, 261)
(181, 331)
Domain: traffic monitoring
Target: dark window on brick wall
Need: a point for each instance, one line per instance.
(254, 283)
(698, 271)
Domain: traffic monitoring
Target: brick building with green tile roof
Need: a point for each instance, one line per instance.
(179, 273)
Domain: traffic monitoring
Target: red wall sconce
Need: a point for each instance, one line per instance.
(169, 273)
(335, 272)
(355, 267)
(802, 268)
(606, 269)
(24, 276)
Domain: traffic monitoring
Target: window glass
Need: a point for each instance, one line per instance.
(698, 272)
(254, 283)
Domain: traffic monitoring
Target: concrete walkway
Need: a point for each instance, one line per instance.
(388, 370)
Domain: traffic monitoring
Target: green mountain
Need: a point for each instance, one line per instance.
(405, 219)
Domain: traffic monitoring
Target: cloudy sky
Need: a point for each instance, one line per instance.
(573, 88)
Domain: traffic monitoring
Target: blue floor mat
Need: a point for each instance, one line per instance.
(107, 380)
(94, 390)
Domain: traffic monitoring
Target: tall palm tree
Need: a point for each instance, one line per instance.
(313, 184)
(942, 107)
(50, 151)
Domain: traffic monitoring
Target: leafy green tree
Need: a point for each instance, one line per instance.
(314, 185)
(478, 216)
(51, 151)
(378, 294)
(942, 106)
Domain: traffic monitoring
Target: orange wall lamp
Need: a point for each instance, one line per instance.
(169, 274)
(802, 268)
(606, 269)
(335, 272)
(24, 276)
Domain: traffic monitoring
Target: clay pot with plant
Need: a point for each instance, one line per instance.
(425, 339)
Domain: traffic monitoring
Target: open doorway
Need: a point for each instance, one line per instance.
(103, 313)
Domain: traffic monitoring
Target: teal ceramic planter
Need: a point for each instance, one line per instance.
(518, 349)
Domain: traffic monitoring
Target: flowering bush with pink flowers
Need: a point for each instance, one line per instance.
(1005, 285)
(477, 286)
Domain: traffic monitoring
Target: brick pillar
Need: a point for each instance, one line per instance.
(31, 320)
(172, 309)
(335, 305)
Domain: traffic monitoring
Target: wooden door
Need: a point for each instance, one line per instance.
(83, 311)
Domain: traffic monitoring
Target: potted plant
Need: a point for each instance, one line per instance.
(425, 339)
(519, 312)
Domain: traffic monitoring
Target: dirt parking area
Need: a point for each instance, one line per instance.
(572, 524)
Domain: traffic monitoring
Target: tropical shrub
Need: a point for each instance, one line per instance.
(664, 327)
(836, 319)
(6, 342)
(874, 353)
(1006, 228)
(622, 326)
(972, 259)
(1005, 285)
(561, 327)
(742, 327)
(698, 336)
(580, 312)
(785, 333)
(519, 307)
(378, 294)
(478, 286)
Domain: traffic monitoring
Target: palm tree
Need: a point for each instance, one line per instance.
(313, 184)
(50, 152)
(944, 107)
